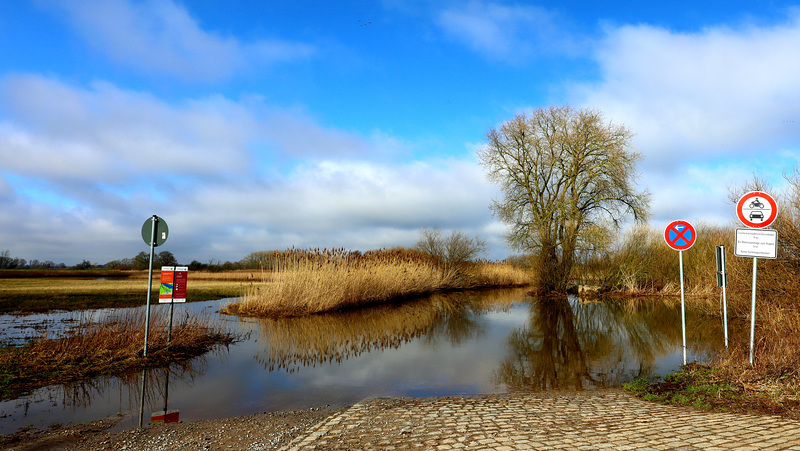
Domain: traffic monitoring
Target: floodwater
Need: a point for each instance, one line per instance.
(449, 344)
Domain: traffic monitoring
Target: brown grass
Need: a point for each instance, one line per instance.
(111, 346)
(46, 291)
(308, 282)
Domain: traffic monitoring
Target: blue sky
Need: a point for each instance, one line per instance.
(255, 125)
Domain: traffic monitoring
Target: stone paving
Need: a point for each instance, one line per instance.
(605, 419)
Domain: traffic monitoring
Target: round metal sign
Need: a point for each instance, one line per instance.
(162, 231)
(680, 235)
(757, 209)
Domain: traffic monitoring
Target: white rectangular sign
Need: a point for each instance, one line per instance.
(756, 243)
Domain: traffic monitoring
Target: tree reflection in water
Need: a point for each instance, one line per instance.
(292, 343)
(570, 345)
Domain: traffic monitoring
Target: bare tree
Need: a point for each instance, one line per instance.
(451, 252)
(563, 173)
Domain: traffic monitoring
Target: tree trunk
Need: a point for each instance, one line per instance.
(550, 269)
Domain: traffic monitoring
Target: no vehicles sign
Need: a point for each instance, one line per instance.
(757, 209)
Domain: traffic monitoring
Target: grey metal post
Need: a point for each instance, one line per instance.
(150, 282)
(724, 296)
(683, 306)
(171, 308)
(753, 311)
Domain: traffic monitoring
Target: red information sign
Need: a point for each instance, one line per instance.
(680, 235)
(169, 416)
(757, 209)
(173, 284)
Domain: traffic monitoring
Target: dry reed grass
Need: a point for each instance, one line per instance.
(315, 281)
(110, 346)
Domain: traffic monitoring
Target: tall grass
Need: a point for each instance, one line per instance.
(643, 264)
(315, 281)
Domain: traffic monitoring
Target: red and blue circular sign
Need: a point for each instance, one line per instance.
(680, 235)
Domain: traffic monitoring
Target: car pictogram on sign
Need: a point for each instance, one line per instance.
(757, 215)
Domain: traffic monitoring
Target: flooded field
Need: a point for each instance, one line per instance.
(462, 343)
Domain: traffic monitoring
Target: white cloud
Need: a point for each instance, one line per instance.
(709, 109)
(86, 172)
(505, 33)
(716, 93)
(106, 134)
(159, 36)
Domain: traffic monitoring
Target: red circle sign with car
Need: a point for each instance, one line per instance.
(757, 209)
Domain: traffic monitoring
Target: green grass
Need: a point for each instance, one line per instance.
(706, 388)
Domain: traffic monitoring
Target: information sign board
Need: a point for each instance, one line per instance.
(173, 284)
(756, 243)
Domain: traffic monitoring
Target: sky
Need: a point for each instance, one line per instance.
(259, 125)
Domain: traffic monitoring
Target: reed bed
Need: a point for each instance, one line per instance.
(112, 345)
(315, 281)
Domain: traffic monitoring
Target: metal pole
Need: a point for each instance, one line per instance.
(171, 307)
(683, 306)
(141, 401)
(753, 311)
(166, 393)
(150, 281)
(724, 298)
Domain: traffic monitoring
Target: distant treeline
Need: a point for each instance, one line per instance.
(254, 260)
(8, 262)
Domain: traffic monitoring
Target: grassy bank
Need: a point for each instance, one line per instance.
(308, 282)
(110, 347)
(30, 291)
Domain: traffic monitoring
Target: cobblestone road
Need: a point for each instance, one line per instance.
(610, 419)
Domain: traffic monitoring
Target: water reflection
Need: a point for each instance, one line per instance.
(292, 343)
(566, 344)
(458, 343)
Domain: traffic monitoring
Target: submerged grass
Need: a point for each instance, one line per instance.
(107, 347)
(308, 282)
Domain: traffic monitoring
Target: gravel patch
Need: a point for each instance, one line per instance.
(254, 432)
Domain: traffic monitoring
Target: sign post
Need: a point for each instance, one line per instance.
(756, 210)
(680, 235)
(722, 282)
(154, 233)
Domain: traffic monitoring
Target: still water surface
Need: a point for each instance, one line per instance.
(456, 344)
